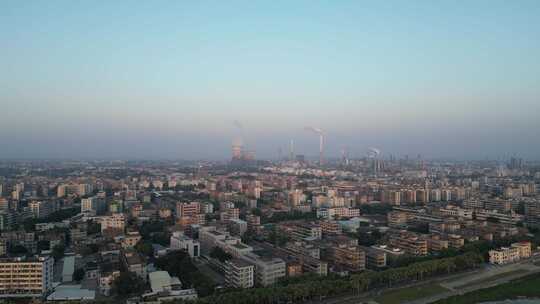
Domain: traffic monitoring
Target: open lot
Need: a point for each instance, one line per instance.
(488, 275)
(409, 294)
(494, 278)
(528, 287)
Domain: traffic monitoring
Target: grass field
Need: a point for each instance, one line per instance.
(528, 287)
(408, 294)
(493, 278)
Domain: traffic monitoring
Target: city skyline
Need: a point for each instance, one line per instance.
(169, 80)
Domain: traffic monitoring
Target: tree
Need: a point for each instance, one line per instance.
(127, 283)
(93, 227)
(18, 250)
(43, 245)
(277, 238)
(178, 264)
(145, 248)
(220, 254)
(58, 251)
(368, 238)
(256, 211)
(379, 208)
(78, 274)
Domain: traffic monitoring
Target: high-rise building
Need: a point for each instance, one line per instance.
(237, 148)
(515, 163)
(41, 209)
(4, 204)
(89, 205)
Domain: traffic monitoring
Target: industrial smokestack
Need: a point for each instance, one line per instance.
(291, 150)
(321, 142)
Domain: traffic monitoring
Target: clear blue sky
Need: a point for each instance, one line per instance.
(166, 79)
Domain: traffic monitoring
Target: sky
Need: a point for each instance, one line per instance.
(177, 79)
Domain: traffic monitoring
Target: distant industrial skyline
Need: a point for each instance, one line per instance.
(181, 80)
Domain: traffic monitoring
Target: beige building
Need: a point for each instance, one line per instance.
(515, 252)
(31, 277)
(397, 219)
(115, 222)
(409, 242)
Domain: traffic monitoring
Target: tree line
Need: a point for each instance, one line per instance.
(315, 288)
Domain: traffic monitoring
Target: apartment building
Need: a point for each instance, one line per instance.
(375, 259)
(179, 241)
(302, 231)
(237, 227)
(268, 270)
(210, 238)
(350, 257)
(26, 277)
(455, 241)
(510, 218)
(515, 252)
(42, 209)
(135, 263)
(455, 211)
(330, 228)
(397, 219)
(436, 243)
(130, 239)
(497, 204)
(106, 280)
(340, 212)
(230, 214)
(409, 242)
(187, 209)
(114, 222)
(447, 226)
(239, 274)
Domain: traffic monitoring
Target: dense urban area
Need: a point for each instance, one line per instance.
(373, 229)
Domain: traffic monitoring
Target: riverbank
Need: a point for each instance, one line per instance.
(525, 287)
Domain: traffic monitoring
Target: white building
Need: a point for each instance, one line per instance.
(210, 238)
(68, 268)
(267, 270)
(239, 274)
(179, 241)
(167, 288)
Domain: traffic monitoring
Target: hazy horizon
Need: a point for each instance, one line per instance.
(168, 80)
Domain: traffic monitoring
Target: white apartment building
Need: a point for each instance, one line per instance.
(210, 238)
(239, 274)
(179, 241)
(267, 270)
